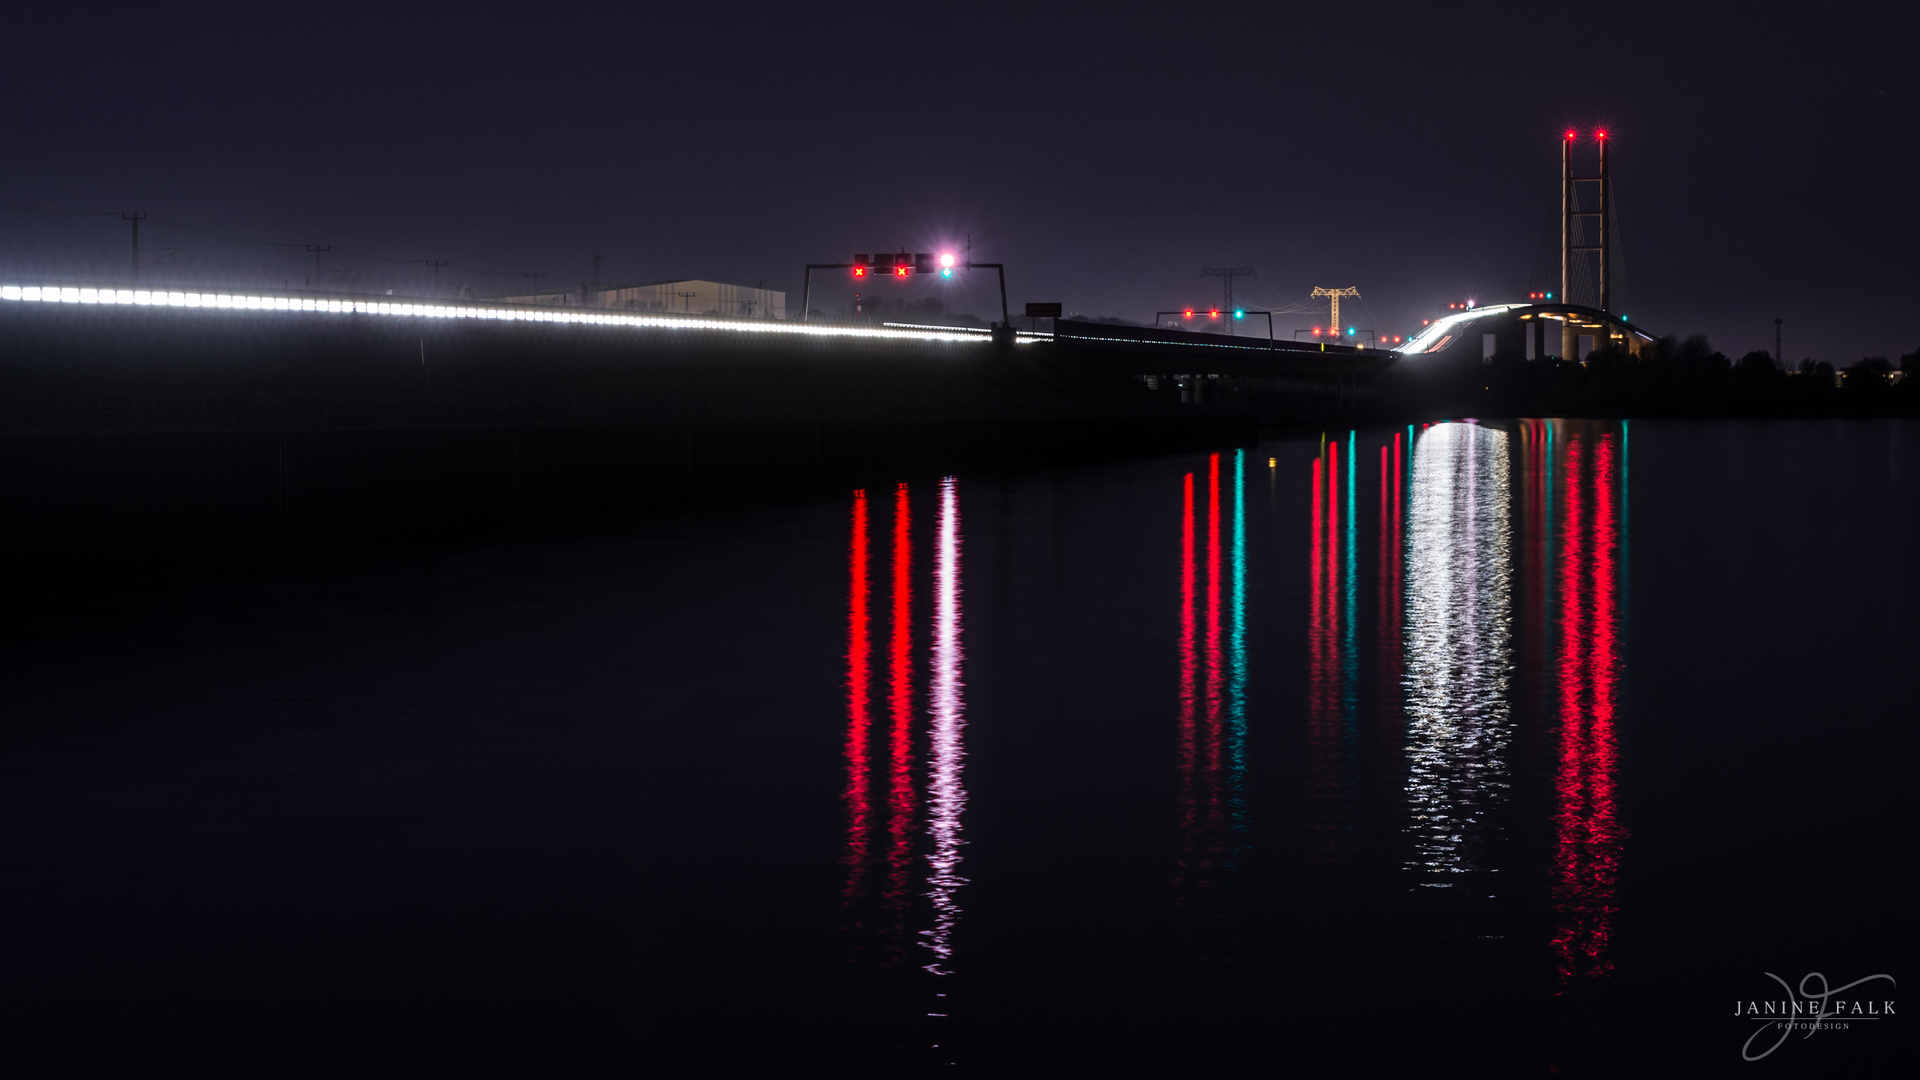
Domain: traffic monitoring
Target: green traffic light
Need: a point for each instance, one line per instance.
(1237, 313)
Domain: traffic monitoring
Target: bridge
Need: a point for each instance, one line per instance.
(142, 416)
(1115, 348)
(1588, 258)
(1537, 331)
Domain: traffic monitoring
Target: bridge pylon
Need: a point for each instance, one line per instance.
(1569, 210)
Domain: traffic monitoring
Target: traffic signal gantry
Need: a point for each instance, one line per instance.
(900, 266)
(1241, 313)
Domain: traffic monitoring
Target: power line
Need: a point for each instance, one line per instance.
(19, 209)
(317, 249)
(221, 236)
(136, 217)
(1226, 274)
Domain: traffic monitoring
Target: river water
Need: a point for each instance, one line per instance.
(1528, 747)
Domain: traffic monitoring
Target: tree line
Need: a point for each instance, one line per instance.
(1668, 378)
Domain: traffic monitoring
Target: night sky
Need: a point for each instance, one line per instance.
(1764, 155)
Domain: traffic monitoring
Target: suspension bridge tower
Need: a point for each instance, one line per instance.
(1573, 233)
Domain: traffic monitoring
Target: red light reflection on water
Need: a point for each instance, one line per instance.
(1383, 576)
(1399, 561)
(1333, 556)
(1189, 677)
(1325, 658)
(1587, 831)
(1389, 601)
(859, 647)
(1209, 690)
(1215, 672)
(900, 701)
(1537, 584)
(1317, 637)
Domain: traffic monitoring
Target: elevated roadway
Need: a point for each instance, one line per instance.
(1527, 331)
(1153, 351)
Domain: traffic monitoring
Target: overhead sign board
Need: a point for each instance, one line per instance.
(1043, 311)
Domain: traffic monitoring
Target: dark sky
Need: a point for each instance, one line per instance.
(1764, 155)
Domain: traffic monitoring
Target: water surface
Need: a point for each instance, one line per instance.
(1528, 745)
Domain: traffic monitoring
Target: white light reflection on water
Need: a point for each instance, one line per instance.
(1459, 645)
(946, 794)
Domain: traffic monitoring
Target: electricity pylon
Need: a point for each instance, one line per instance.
(1335, 295)
(1227, 274)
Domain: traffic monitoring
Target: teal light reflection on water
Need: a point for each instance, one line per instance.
(1237, 654)
(1551, 524)
(1350, 603)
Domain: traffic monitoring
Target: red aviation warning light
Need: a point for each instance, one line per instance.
(1572, 135)
(1600, 134)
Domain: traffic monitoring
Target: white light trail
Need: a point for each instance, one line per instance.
(977, 330)
(1022, 336)
(1432, 333)
(222, 302)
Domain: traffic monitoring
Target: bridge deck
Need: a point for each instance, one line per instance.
(1141, 350)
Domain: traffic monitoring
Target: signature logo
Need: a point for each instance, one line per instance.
(1815, 1006)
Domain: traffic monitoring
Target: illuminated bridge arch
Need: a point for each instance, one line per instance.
(1532, 331)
